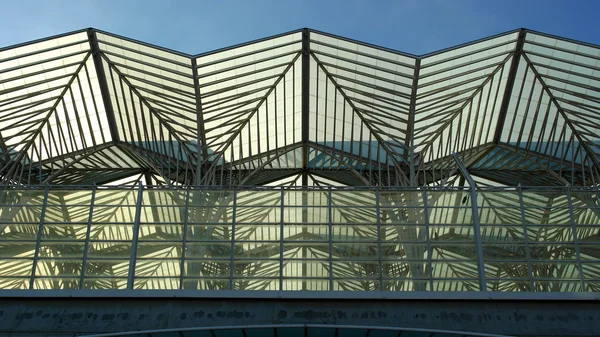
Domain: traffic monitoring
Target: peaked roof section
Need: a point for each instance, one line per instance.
(92, 107)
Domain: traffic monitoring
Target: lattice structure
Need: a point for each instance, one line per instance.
(303, 161)
(92, 108)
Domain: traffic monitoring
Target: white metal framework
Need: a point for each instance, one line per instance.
(471, 168)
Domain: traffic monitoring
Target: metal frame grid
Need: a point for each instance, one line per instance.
(474, 168)
(285, 238)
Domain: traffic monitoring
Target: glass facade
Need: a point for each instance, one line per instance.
(319, 239)
(303, 161)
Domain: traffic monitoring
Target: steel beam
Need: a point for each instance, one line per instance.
(305, 102)
(476, 224)
(575, 239)
(135, 237)
(103, 83)
(510, 82)
(410, 126)
(201, 141)
(88, 231)
(36, 255)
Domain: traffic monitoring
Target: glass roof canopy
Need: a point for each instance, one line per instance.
(304, 108)
(90, 107)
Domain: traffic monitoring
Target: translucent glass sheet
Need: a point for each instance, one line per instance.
(294, 239)
(154, 103)
(553, 111)
(50, 105)
(360, 97)
(251, 98)
(458, 99)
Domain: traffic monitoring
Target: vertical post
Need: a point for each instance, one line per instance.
(305, 127)
(39, 237)
(182, 269)
(526, 238)
(379, 239)
(305, 101)
(477, 237)
(86, 245)
(429, 269)
(281, 233)
(136, 234)
(410, 126)
(201, 148)
(575, 238)
(330, 229)
(475, 220)
(233, 221)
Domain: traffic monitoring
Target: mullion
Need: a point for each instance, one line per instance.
(253, 63)
(146, 132)
(356, 72)
(219, 110)
(87, 75)
(498, 89)
(170, 100)
(238, 86)
(70, 135)
(282, 65)
(46, 60)
(77, 115)
(371, 56)
(135, 51)
(522, 87)
(466, 65)
(135, 117)
(391, 104)
(527, 106)
(37, 83)
(552, 58)
(86, 112)
(472, 52)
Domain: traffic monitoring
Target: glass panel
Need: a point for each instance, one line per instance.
(241, 91)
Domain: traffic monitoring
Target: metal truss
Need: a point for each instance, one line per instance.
(412, 142)
(511, 106)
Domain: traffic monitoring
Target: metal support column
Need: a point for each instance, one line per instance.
(409, 155)
(330, 230)
(526, 239)
(36, 255)
(305, 101)
(575, 239)
(475, 219)
(201, 149)
(281, 233)
(136, 234)
(233, 220)
(182, 269)
(379, 239)
(86, 246)
(429, 268)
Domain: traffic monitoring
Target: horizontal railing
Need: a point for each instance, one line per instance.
(316, 239)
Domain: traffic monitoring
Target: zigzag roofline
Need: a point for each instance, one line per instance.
(366, 44)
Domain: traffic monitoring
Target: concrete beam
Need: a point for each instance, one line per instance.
(59, 316)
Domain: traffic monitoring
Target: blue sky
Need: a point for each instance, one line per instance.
(413, 26)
